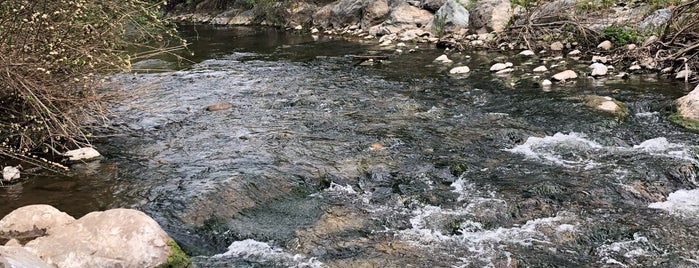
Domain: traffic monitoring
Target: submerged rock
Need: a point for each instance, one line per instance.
(606, 104)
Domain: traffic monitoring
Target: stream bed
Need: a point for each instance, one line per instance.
(321, 162)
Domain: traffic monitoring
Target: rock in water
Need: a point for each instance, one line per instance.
(10, 173)
(26, 218)
(683, 74)
(500, 66)
(540, 69)
(85, 153)
(565, 75)
(443, 59)
(219, 106)
(527, 53)
(459, 70)
(598, 69)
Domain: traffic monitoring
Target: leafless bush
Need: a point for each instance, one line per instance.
(51, 55)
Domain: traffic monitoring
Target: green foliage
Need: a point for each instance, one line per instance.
(51, 53)
(439, 22)
(621, 36)
(684, 122)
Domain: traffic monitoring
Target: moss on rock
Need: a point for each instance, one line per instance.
(177, 258)
(687, 123)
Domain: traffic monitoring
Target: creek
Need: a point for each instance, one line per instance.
(321, 162)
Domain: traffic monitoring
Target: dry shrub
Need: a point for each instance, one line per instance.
(51, 54)
(679, 42)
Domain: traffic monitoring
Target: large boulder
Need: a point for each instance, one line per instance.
(113, 238)
(340, 13)
(407, 14)
(655, 20)
(375, 13)
(491, 15)
(18, 257)
(688, 106)
(28, 218)
(451, 17)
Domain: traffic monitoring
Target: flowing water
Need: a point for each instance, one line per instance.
(321, 162)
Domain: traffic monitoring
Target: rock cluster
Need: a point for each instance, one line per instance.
(43, 236)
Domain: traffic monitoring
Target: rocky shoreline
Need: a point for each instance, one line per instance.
(613, 41)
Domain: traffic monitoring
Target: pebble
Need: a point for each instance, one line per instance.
(540, 69)
(565, 75)
(460, 70)
(605, 45)
(527, 53)
(443, 59)
(10, 173)
(500, 66)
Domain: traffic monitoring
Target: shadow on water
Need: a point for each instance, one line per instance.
(322, 162)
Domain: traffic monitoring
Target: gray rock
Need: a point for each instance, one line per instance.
(491, 15)
(432, 5)
(18, 257)
(650, 40)
(600, 59)
(339, 14)
(546, 83)
(374, 13)
(655, 20)
(452, 16)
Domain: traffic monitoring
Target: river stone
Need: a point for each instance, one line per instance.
(601, 59)
(556, 46)
(18, 257)
(546, 83)
(505, 71)
(26, 218)
(574, 52)
(598, 69)
(113, 238)
(500, 66)
(10, 173)
(683, 74)
(688, 106)
(527, 53)
(605, 104)
(605, 45)
(443, 59)
(219, 106)
(81, 154)
(565, 75)
(432, 5)
(459, 70)
(452, 16)
(491, 15)
(540, 69)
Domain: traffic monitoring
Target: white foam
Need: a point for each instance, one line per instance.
(681, 202)
(260, 252)
(548, 148)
